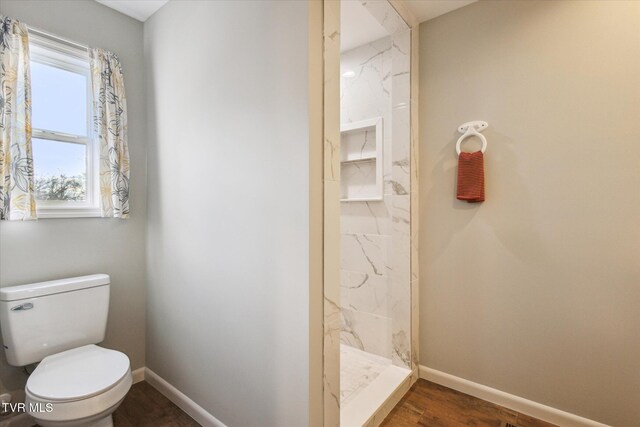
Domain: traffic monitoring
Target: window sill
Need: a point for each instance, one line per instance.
(52, 213)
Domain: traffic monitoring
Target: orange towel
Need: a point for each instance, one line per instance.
(471, 177)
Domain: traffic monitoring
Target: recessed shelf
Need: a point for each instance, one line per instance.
(363, 199)
(361, 164)
(362, 159)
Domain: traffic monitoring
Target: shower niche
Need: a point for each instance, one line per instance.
(361, 162)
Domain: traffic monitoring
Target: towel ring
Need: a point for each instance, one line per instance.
(472, 129)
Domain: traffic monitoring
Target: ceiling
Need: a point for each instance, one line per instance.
(359, 28)
(138, 9)
(429, 9)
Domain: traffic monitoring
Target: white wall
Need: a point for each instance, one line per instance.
(58, 248)
(536, 291)
(228, 230)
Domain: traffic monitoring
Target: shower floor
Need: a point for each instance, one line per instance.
(357, 370)
(366, 381)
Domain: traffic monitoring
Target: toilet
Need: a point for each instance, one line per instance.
(58, 324)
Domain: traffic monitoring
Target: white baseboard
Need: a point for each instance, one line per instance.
(181, 400)
(138, 375)
(527, 407)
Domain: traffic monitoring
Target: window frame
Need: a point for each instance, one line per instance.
(54, 53)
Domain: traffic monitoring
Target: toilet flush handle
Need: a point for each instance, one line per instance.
(22, 307)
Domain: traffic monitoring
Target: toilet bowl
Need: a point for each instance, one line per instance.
(78, 387)
(58, 323)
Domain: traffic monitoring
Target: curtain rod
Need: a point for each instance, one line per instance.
(54, 37)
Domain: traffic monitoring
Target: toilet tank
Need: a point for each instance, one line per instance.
(45, 318)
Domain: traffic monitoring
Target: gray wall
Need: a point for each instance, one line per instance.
(59, 248)
(536, 291)
(228, 228)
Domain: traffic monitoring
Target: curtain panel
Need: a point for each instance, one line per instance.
(17, 188)
(110, 131)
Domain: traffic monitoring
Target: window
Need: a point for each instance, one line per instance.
(64, 156)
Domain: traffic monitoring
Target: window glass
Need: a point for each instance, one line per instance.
(58, 100)
(60, 170)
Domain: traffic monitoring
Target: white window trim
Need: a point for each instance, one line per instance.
(49, 51)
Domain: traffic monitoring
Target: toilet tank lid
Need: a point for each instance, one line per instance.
(33, 290)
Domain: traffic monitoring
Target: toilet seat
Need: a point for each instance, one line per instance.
(81, 384)
(77, 374)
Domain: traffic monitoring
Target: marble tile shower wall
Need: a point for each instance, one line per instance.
(400, 285)
(366, 226)
(400, 180)
(376, 236)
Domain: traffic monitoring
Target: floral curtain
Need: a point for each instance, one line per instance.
(110, 130)
(17, 195)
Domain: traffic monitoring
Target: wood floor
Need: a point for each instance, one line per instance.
(145, 406)
(426, 404)
(432, 405)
